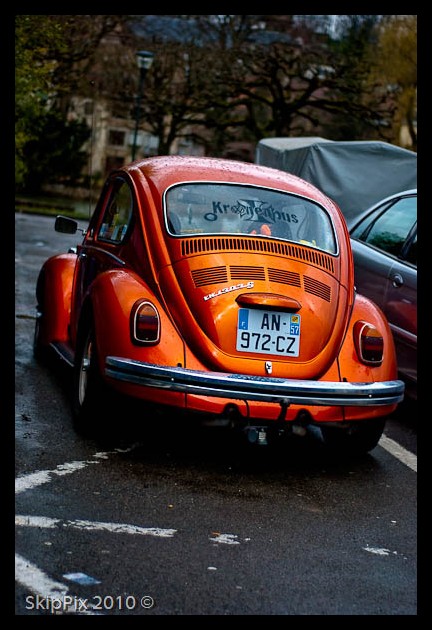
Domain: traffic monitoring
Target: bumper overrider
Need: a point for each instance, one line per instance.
(246, 387)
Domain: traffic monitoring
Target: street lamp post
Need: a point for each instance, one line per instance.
(145, 60)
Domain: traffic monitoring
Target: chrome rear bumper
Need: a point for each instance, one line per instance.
(262, 388)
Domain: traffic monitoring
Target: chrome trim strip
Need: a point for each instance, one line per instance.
(100, 250)
(407, 336)
(64, 351)
(246, 387)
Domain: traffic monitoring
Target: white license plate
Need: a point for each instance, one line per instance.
(268, 332)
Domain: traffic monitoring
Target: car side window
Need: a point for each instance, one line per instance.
(118, 213)
(411, 253)
(390, 229)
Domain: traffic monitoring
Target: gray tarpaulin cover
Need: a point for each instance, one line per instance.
(354, 174)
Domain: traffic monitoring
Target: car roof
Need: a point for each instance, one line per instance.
(164, 171)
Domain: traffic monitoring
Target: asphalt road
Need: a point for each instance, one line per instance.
(167, 520)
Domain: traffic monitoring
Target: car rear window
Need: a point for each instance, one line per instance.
(219, 208)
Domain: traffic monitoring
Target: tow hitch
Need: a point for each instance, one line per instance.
(259, 434)
(262, 435)
(256, 435)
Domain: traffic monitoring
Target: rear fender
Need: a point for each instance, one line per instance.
(112, 297)
(351, 368)
(53, 293)
(350, 365)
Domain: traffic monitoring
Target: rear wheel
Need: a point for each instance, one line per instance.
(357, 439)
(90, 396)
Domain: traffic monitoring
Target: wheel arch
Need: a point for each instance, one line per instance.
(350, 365)
(53, 296)
(110, 302)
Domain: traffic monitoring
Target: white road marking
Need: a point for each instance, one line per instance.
(39, 583)
(37, 521)
(227, 539)
(395, 449)
(28, 482)
(116, 528)
(53, 594)
(379, 551)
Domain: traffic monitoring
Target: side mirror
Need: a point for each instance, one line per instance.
(65, 225)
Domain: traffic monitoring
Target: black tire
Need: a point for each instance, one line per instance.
(91, 397)
(41, 353)
(357, 439)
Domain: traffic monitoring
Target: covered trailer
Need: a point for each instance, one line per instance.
(355, 174)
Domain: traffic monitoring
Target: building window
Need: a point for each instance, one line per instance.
(88, 108)
(116, 138)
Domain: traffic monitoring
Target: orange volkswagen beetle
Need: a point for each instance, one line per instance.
(224, 289)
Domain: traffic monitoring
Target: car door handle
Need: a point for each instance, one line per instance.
(397, 280)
